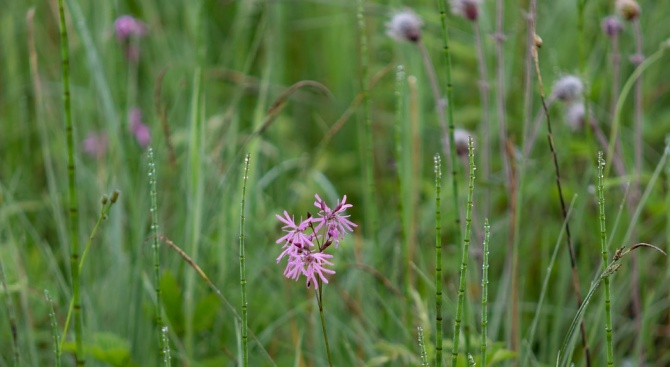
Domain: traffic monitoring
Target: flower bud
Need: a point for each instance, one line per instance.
(612, 26)
(628, 9)
(468, 9)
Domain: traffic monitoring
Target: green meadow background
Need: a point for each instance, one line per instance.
(216, 75)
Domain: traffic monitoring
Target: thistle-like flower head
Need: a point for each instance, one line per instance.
(568, 89)
(405, 25)
(127, 26)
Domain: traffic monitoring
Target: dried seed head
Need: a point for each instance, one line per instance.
(405, 25)
(567, 89)
(628, 9)
(468, 9)
(612, 26)
(574, 115)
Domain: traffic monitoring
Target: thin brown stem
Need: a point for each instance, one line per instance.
(571, 250)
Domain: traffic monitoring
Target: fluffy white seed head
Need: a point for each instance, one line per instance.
(405, 25)
(568, 89)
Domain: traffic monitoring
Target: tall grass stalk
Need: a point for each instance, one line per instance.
(438, 261)
(603, 249)
(11, 313)
(422, 348)
(370, 202)
(464, 255)
(243, 270)
(54, 329)
(571, 250)
(72, 190)
(196, 197)
(158, 306)
(485, 291)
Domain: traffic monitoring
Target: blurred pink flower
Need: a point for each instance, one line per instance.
(95, 144)
(138, 128)
(127, 26)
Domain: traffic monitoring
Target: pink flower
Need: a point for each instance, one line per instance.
(127, 26)
(138, 128)
(309, 264)
(95, 144)
(304, 244)
(336, 223)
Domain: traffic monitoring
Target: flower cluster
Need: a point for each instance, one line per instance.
(304, 243)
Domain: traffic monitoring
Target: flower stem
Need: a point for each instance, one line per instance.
(319, 300)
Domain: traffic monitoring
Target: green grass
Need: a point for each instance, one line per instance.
(224, 65)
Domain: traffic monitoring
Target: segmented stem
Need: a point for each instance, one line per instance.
(603, 249)
(72, 189)
(438, 262)
(54, 328)
(485, 290)
(243, 270)
(158, 311)
(464, 254)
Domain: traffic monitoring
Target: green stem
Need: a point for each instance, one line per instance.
(243, 271)
(72, 189)
(104, 211)
(158, 312)
(622, 97)
(485, 290)
(404, 205)
(319, 300)
(603, 249)
(464, 255)
(54, 328)
(12, 317)
(370, 203)
(438, 262)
